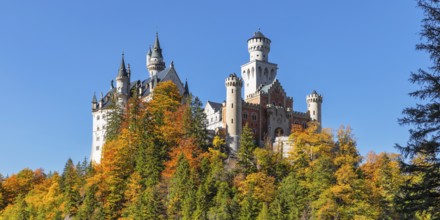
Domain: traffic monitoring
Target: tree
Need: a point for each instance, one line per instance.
(70, 188)
(424, 142)
(245, 155)
(383, 179)
(181, 191)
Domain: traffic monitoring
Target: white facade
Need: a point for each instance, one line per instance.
(283, 145)
(213, 112)
(98, 134)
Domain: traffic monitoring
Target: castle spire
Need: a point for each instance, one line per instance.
(186, 90)
(122, 71)
(157, 51)
(94, 98)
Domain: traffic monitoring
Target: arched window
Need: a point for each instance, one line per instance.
(252, 71)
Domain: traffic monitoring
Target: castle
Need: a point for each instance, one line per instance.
(265, 106)
(125, 88)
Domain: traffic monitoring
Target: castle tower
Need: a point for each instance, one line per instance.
(155, 62)
(94, 102)
(314, 102)
(122, 84)
(258, 71)
(233, 110)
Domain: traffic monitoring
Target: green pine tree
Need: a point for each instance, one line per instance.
(423, 194)
(245, 156)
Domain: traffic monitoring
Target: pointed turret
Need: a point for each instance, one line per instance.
(157, 51)
(186, 90)
(94, 102)
(94, 98)
(122, 83)
(122, 71)
(155, 62)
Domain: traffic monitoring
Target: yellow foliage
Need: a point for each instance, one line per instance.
(260, 185)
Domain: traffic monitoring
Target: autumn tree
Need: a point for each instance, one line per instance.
(347, 197)
(257, 191)
(21, 183)
(312, 158)
(424, 195)
(383, 179)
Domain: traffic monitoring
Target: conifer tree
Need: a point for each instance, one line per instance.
(70, 188)
(89, 205)
(291, 200)
(424, 195)
(152, 204)
(245, 155)
(181, 191)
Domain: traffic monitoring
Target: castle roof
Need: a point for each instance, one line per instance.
(258, 34)
(157, 51)
(122, 71)
(215, 105)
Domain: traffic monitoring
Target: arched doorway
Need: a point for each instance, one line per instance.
(278, 132)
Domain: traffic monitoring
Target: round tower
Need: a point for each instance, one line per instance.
(233, 110)
(259, 47)
(314, 102)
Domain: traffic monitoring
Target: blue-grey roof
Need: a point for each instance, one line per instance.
(258, 34)
(94, 98)
(122, 71)
(157, 51)
(215, 105)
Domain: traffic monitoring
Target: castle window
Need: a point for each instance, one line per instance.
(97, 147)
(313, 112)
(245, 116)
(232, 105)
(97, 138)
(254, 117)
(97, 128)
(97, 118)
(211, 119)
(232, 121)
(232, 90)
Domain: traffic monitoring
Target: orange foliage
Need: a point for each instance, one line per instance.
(188, 148)
(22, 183)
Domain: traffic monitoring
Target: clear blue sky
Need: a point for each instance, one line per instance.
(55, 54)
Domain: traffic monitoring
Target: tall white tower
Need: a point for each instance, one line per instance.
(258, 71)
(314, 102)
(123, 84)
(233, 110)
